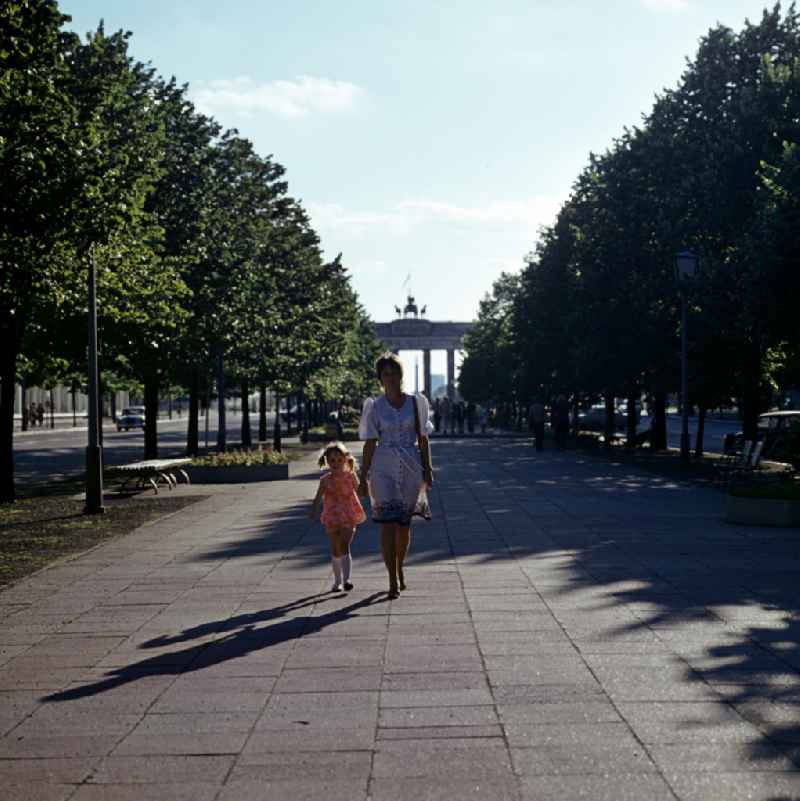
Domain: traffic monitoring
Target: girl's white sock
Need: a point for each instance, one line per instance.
(337, 569)
(347, 564)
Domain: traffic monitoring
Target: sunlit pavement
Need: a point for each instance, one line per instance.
(571, 629)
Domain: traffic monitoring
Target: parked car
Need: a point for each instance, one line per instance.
(131, 417)
(623, 410)
(594, 418)
(780, 433)
(294, 411)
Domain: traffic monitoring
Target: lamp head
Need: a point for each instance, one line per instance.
(685, 265)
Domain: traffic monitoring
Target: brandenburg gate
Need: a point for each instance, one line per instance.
(411, 331)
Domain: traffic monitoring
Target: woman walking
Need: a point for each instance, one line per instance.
(396, 465)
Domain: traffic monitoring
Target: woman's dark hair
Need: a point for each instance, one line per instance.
(391, 360)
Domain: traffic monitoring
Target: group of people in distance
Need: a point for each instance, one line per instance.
(396, 475)
(452, 417)
(34, 414)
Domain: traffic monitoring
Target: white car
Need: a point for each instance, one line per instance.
(131, 417)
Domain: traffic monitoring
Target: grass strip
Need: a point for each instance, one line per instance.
(37, 531)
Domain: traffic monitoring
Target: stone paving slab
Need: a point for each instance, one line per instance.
(573, 629)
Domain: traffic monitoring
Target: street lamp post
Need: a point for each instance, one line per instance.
(685, 269)
(94, 451)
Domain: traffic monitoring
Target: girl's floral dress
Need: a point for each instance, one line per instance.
(340, 504)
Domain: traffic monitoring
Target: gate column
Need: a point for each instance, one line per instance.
(451, 373)
(426, 370)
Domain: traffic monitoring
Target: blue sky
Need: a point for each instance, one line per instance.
(430, 138)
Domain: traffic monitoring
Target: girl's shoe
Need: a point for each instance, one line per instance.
(348, 586)
(336, 588)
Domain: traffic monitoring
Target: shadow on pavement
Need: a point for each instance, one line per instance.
(623, 552)
(243, 638)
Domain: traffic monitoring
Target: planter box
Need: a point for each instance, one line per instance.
(238, 474)
(762, 512)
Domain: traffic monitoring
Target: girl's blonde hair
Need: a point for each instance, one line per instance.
(341, 448)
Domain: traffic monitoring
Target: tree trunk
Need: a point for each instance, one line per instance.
(247, 437)
(701, 428)
(631, 421)
(610, 426)
(658, 436)
(151, 415)
(24, 395)
(193, 429)
(303, 410)
(8, 375)
(262, 413)
(751, 403)
(222, 431)
(276, 435)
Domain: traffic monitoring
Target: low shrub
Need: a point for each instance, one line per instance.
(240, 458)
(785, 490)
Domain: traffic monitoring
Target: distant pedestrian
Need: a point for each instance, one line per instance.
(341, 509)
(537, 418)
(40, 414)
(32, 415)
(446, 414)
(459, 417)
(437, 414)
(559, 417)
(471, 417)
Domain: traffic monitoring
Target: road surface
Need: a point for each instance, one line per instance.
(47, 454)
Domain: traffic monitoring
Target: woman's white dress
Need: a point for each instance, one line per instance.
(396, 488)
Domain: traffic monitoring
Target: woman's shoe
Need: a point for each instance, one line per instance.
(401, 579)
(393, 592)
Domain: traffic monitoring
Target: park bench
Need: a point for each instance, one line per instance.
(741, 457)
(150, 472)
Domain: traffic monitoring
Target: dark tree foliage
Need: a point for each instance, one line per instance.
(713, 168)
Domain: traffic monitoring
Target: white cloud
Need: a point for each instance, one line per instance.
(535, 211)
(355, 224)
(300, 97)
(528, 214)
(666, 5)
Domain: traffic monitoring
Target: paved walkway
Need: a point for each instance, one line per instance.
(572, 629)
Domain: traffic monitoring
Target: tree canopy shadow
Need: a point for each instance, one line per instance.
(649, 555)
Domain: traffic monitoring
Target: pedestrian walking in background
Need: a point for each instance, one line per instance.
(459, 417)
(560, 419)
(537, 418)
(397, 470)
(447, 409)
(341, 509)
(471, 417)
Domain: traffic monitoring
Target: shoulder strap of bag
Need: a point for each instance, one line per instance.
(422, 452)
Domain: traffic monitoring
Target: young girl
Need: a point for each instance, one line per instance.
(342, 510)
